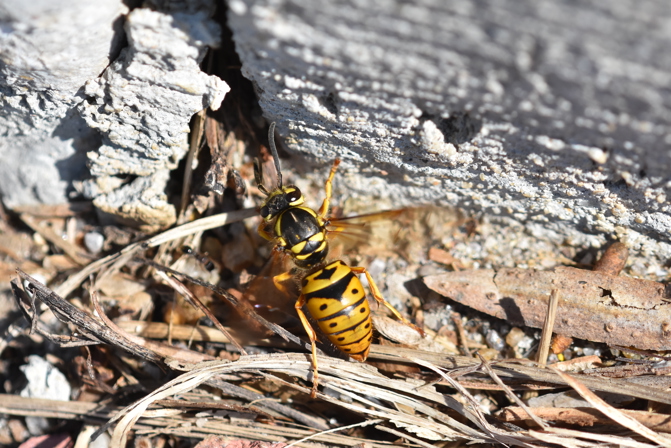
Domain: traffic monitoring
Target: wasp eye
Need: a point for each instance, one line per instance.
(264, 212)
(294, 195)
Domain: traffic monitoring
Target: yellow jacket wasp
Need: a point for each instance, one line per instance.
(332, 292)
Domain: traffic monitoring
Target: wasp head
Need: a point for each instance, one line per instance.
(281, 199)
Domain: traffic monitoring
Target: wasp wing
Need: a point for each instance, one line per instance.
(274, 290)
(355, 230)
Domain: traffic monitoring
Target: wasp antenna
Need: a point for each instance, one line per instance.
(258, 176)
(273, 150)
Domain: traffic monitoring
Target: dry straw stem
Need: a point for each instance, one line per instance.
(200, 427)
(511, 394)
(613, 413)
(361, 383)
(414, 411)
(573, 439)
(329, 431)
(519, 369)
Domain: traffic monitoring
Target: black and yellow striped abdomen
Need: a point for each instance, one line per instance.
(337, 300)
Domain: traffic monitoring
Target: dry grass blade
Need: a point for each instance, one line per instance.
(364, 398)
(72, 410)
(131, 414)
(562, 441)
(42, 407)
(518, 369)
(252, 434)
(127, 253)
(475, 415)
(363, 388)
(511, 394)
(611, 412)
(200, 225)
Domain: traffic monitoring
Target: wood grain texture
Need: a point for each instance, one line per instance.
(551, 113)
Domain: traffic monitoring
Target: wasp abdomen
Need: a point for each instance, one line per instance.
(336, 299)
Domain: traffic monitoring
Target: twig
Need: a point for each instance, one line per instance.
(69, 314)
(546, 336)
(456, 319)
(584, 417)
(474, 414)
(194, 149)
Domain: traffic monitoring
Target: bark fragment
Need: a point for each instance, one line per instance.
(594, 306)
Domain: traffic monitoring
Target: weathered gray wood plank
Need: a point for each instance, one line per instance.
(554, 113)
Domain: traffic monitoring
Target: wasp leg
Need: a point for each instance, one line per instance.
(279, 279)
(261, 229)
(313, 340)
(324, 209)
(378, 297)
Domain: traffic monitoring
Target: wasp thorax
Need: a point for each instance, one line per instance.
(280, 200)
